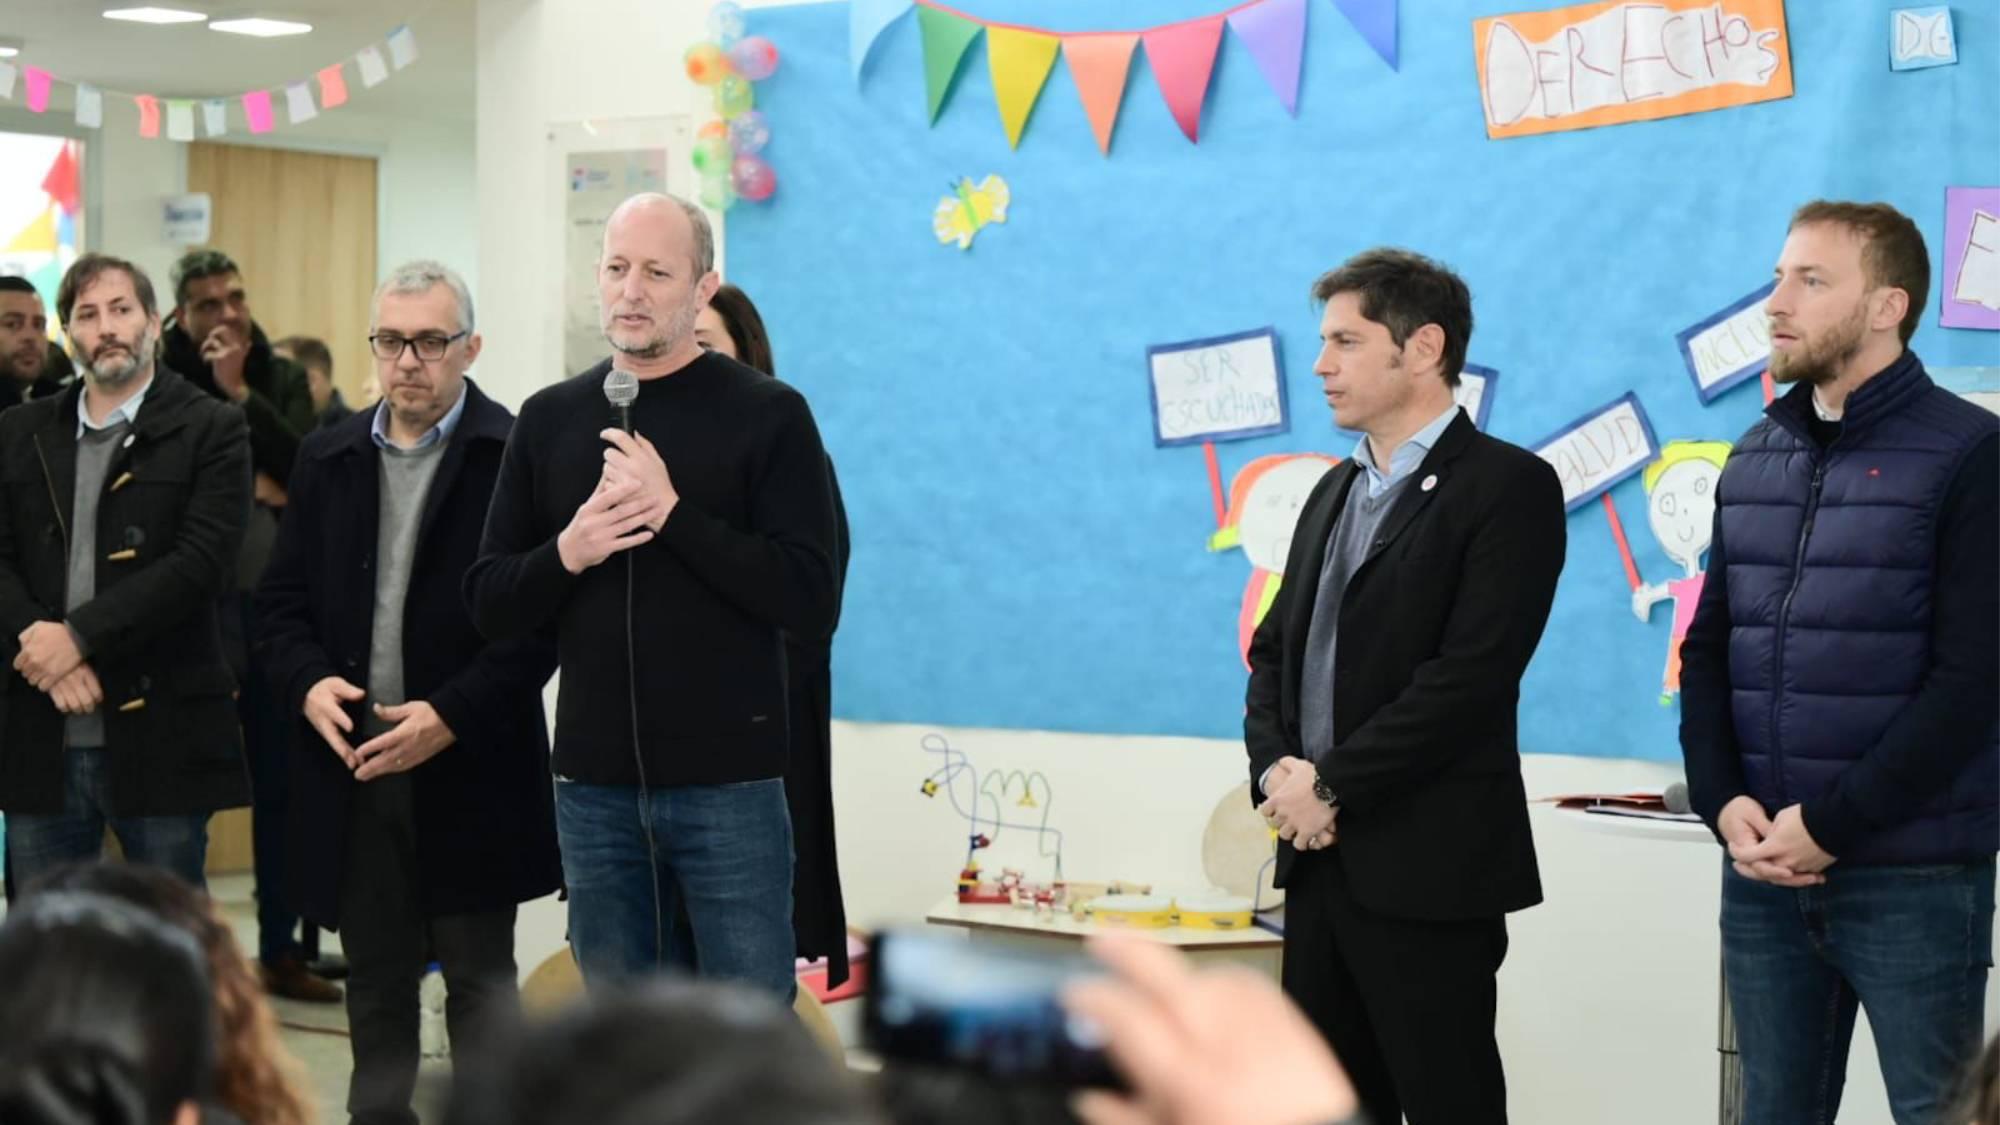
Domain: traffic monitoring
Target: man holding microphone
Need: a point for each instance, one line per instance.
(672, 559)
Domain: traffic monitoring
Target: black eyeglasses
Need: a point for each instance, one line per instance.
(428, 348)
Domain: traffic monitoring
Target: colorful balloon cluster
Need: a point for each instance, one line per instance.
(726, 149)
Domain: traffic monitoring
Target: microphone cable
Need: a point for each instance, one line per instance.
(639, 760)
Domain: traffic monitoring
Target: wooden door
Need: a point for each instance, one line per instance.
(302, 227)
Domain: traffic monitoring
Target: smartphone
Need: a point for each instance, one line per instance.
(939, 999)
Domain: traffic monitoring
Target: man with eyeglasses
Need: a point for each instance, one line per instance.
(421, 809)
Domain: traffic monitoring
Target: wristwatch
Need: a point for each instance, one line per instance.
(1321, 791)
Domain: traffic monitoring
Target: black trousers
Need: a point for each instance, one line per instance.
(1408, 1005)
(389, 945)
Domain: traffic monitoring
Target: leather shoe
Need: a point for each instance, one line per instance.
(289, 978)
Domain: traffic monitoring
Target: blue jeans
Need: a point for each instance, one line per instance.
(1910, 944)
(724, 858)
(37, 845)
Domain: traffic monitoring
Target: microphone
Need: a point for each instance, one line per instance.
(621, 390)
(1676, 798)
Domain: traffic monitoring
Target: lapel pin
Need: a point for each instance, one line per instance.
(1429, 482)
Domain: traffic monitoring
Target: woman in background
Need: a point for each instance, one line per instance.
(255, 1077)
(105, 1017)
(731, 326)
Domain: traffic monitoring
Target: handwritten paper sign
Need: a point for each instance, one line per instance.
(1475, 393)
(1971, 258)
(1617, 62)
(1218, 389)
(1921, 37)
(1730, 347)
(1600, 449)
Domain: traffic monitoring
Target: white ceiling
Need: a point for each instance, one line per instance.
(72, 40)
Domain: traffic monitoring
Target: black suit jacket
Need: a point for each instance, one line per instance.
(485, 815)
(1436, 627)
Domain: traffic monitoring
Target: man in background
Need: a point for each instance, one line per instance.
(312, 354)
(24, 344)
(213, 339)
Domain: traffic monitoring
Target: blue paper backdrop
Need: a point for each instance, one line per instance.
(1025, 557)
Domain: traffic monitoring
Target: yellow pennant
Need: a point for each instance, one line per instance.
(1021, 61)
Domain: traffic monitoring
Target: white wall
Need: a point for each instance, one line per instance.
(1608, 997)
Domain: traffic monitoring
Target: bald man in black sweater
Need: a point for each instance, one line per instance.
(708, 533)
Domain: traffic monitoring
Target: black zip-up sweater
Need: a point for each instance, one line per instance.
(745, 557)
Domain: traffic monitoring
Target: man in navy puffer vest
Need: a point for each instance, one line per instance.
(1839, 702)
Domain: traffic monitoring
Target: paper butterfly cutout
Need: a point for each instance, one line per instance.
(968, 209)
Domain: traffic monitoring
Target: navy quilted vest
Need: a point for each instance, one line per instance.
(1830, 556)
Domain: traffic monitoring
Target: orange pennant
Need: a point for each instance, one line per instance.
(1100, 64)
(332, 87)
(1183, 57)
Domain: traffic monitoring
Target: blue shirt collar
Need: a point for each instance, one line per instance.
(127, 411)
(436, 435)
(1407, 456)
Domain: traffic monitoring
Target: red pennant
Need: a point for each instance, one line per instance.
(1183, 57)
(61, 182)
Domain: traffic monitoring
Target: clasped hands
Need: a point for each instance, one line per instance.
(1293, 808)
(50, 660)
(634, 496)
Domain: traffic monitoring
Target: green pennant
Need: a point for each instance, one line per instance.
(946, 38)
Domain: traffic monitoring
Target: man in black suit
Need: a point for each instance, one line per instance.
(1380, 719)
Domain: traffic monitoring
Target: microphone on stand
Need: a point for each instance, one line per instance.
(1676, 798)
(621, 390)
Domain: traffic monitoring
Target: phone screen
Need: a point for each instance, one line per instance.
(940, 999)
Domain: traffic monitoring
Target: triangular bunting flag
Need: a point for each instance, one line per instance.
(38, 87)
(1020, 61)
(332, 86)
(215, 117)
(89, 106)
(257, 110)
(1275, 32)
(38, 237)
(61, 182)
(1100, 64)
(1376, 21)
(180, 121)
(7, 73)
(866, 21)
(374, 71)
(149, 115)
(945, 39)
(1182, 56)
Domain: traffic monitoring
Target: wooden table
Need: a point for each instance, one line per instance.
(1258, 948)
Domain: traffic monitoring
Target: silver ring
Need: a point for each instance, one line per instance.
(1313, 843)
